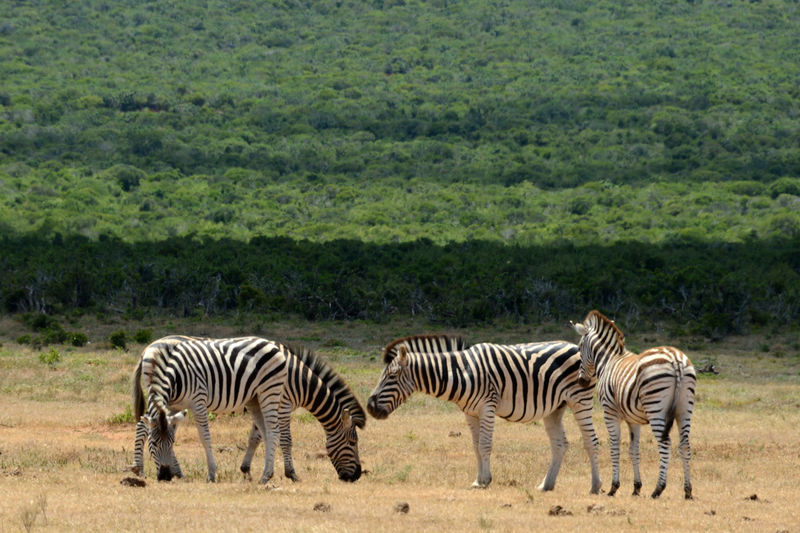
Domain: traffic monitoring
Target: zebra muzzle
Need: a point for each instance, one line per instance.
(375, 410)
(351, 476)
(164, 473)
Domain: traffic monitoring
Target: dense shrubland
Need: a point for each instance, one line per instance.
(710, 288)
(459, 160)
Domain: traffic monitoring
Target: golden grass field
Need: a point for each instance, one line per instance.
(62, 455)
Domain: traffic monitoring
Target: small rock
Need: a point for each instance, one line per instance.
(753, 497)
(401, 507)
(712, 512)
(557, 510)
(506, 506)
(133, 482)
(322, 507)
(454, 434)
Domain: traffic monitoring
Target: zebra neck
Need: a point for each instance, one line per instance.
(606, 361)
(430, 372)
(311, 393)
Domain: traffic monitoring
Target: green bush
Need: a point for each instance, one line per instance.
(125, 417)
(54, 335)
(143, 336)
(785, 186)
(78, 339)
(119, 339)
(50, 358)
(24, 339)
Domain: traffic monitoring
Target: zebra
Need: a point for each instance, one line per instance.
(656, 386)
(520, 383)
(208, 375)
(311, 383)
(314, 385)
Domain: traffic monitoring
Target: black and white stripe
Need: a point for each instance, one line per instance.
(208, 375)
(312, 384)
(656, 386)
(520, 383)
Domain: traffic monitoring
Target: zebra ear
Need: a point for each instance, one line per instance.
(176, 418)
(347, 420)
(579, 328)
(401, 356)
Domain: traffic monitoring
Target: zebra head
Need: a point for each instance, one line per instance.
(600, 337)
(161, 439)
(342, 447)
(394, 386)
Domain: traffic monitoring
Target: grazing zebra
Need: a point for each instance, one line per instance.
(656, 386)
(311, 383)
(209, 375)
(520, 383)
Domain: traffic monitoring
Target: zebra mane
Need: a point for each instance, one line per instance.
(445, 343)
(597, 320)
(323, 370)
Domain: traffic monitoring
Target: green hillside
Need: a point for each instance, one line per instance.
(533, 129)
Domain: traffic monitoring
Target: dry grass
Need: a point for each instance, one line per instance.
(61, 461)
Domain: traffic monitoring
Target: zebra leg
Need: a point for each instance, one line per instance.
(252, 443)
(284, 423)
(635, 430)
(613, 426)
(482, 429)
(268, 426)
(658, 426)
(176, 467)
(558, 447)
(685, 425)
(583, 417)
(138, 448)
(201, 421)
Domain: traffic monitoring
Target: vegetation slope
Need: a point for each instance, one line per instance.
(428, 157)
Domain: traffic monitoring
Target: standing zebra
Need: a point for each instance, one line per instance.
(216, 375)
(656, 386)
(520, 383)
(311, 383)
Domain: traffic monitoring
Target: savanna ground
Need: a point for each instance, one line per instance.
(65, 445)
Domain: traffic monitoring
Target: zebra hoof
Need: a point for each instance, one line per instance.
(637, 487)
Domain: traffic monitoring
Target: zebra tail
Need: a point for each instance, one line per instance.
(673, 408)
(137, 393)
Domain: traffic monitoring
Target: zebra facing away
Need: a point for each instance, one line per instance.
(208, 375)
(311, 383)
(520, 383)
(656, 386)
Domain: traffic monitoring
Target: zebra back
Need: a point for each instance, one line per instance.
(322, 369)
(426, 343)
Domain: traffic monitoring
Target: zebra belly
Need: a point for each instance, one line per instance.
(522, 410)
